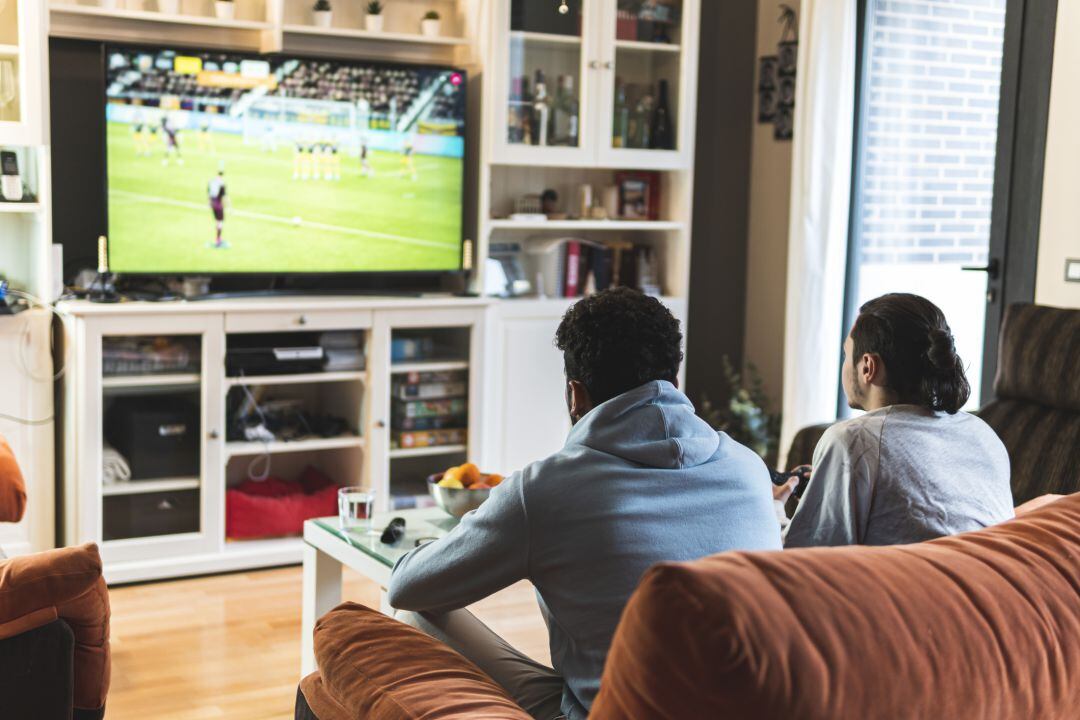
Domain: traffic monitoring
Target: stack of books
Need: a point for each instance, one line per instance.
(429, 409)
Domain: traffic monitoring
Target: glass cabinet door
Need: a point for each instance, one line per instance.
(641, 85)
(10, 107)
(544, 79)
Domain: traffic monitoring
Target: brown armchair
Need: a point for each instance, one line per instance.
(54, 623)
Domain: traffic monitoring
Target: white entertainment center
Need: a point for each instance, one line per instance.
(504, 345)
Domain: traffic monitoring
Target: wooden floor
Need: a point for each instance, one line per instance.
(228, 646)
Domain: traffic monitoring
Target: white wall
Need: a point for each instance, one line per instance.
(1059, 236)
(770, 196)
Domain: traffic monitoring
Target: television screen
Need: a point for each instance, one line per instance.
(229, 163)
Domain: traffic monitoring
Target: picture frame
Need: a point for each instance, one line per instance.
(639, 195)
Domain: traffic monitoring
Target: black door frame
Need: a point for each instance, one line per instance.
(1026, 69)
(1023, 109)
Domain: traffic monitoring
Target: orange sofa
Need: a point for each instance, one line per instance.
(975, 626)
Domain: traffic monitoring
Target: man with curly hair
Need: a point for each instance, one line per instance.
(640, 480)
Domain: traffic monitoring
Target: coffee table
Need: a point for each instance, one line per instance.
(327, 547)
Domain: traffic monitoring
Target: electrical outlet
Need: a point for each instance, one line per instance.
(1072, 270)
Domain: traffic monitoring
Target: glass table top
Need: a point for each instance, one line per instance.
(421, 525)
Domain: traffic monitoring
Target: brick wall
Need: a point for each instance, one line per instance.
(931, 103)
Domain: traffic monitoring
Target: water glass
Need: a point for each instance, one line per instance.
(355, 506)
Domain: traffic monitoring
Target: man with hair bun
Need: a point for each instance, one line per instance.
(913, 467)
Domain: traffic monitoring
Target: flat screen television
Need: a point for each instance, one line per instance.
(225, 163)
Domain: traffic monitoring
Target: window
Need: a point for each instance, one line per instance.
(925, 143)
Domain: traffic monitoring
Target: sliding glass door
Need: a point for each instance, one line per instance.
(925, 153)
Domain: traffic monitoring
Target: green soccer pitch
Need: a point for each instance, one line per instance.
(160, 219)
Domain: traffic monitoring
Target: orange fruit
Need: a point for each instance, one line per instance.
(493, 479)
(479, 486)
(455, 474)
(470, 474)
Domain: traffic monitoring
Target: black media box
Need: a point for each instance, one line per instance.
(158, 435)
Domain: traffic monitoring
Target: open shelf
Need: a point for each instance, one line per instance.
(9, 50)
(158, 17)
(647, 46)
(233, 449)
(617, 225)
(377, 36)
(19, 207)
(545, 38)
(297, 378)
(150, 380)
(429, 366)
(426, 451)
(137, 487)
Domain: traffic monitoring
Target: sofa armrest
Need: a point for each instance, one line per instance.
(372, 666)
(67, 584)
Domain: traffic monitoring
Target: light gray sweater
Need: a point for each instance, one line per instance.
(640, 480)
(902, 474)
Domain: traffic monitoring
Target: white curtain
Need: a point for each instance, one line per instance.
(820, 200)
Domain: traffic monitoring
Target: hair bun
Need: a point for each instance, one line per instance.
(942, 351)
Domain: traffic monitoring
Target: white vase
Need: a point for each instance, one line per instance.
(169, 7)
(373, 23)
(225, 9)
(430, 28)
(323, 18)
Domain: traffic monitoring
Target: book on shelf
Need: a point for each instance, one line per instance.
(410, 439)
(570, 267)
(430, 385)
(428, 408)
(430, 423)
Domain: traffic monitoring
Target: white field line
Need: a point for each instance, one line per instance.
(139, 197)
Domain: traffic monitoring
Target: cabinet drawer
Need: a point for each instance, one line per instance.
(149, 514)
(297, 320)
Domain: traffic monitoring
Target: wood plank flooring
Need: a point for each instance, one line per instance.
(228, 646)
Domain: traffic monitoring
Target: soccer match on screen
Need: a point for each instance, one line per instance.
(226, 163)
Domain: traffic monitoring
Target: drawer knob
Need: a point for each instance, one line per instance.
(302, 320)
(214, 434)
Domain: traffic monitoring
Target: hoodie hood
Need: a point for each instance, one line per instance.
(652, 425)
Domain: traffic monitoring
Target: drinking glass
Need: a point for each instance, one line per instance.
(355, 506)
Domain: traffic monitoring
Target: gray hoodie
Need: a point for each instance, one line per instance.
(641, 480)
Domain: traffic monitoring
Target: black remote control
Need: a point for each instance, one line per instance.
(393, 532)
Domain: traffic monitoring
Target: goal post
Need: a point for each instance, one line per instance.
(281, 119)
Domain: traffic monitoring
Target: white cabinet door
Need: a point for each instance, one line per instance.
(545, 69)
(22, 56)
(529, 405)
(157, 515)
(647, 85)
(458, 335)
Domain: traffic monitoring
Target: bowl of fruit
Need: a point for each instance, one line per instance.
(462, 488)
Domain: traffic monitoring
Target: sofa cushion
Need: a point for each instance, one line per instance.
(374, 667)
(1037, 354)
(974, 626)
(1043, 445)
(12, 486)
(65, 583)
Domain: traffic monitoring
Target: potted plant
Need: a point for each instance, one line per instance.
(373, 20)
(429, 26)
(225, 9)
(169, 7)
(322, 13)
